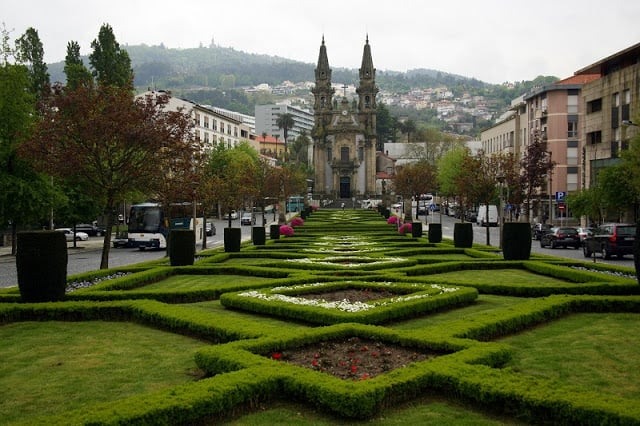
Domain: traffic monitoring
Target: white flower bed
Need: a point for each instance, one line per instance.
(341, 305)
(348, 261)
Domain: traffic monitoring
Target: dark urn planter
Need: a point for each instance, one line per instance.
(416, 229)
(516, 241)
(182, 247)
(41, 263)
(232, 239)
(274, 232)
(636, 252)
(258, 235)
(463, 234)
(435, 232)
(386, 213)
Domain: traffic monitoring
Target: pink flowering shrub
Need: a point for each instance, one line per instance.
(296, 221)
(286, 230)
(405, 229)
(314, 208)
(393, 220)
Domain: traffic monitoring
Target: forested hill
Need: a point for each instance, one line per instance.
(224, 68)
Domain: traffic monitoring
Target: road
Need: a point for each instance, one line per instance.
(87, 256)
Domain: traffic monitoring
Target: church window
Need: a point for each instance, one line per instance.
(344, 153)
(367, 101)
(329, 154)
(322, 101)
(360, 153)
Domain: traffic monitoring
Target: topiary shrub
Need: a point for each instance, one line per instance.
(516, 241)
(296, 221)
(463, 234)
(416, 229)
(41, 262)
(393, 220)
(274, 232)
(182, 247)
(258, 235)
(435, 232)
(232, 239)
(386, 213)
(405, 228)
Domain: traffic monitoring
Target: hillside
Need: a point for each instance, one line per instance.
(209, 75)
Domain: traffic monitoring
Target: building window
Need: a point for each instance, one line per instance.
(572, 129)
(594, 137)
(206, 137)
(572, 179)
(197, 119)
(215, 125)
(361, 154)
(626, 105)
(344, 154)
(594, 106)
(228, 129)
(235, 132)
(572, 156)
(329, 154)
(572, 104)
(206, 122)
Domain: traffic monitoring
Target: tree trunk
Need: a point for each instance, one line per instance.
(106, 242)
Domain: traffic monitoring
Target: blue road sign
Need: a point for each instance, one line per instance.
(560, 196)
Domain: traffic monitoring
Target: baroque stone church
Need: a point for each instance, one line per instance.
(344, 132)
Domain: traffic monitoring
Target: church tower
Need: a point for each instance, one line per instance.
(344, 133)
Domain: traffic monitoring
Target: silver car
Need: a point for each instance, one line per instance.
(68, 232)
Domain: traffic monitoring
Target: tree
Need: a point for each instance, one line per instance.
(588, 203)
(29, 51)
(618, 193)
(414, 179)
(450, 179)
(285, 122)
(408, 127)
(299, 148)
(75, 70)
(110, 144)
(232, 175)
(481, 178)
(536, 166)
(111, 65)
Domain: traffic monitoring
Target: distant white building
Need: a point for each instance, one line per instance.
(267, 117)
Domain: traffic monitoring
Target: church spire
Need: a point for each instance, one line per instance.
(323, 92)
(367, 72)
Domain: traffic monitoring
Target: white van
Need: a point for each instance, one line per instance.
(491, 219)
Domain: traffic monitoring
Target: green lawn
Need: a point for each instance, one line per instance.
(51, 367)
(588, 351)
(496, 276)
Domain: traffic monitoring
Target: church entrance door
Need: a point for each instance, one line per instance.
(345, 187)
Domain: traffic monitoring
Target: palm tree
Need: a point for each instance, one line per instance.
(285, 122)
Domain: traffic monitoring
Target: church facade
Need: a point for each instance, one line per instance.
(344, 133)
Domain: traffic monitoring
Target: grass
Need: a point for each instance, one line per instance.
(195, 282)
(506, 276)
(589, 351)
(50, 367)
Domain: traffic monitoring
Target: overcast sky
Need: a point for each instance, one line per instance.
(491, 40)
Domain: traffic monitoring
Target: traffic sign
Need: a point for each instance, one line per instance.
(560, 196)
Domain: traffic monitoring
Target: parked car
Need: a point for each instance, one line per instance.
(248, 219)
(584, 232)
(68, 232)
(610, 239)
(234, 215)
(561, 236)
(210, 229)
(90, 229)
(539, 229)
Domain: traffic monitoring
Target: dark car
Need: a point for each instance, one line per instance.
(539, 229)
(610, 239)
(90, 229)
(211, 229)
(561, 237)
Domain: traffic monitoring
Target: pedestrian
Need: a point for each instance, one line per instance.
(342, 206)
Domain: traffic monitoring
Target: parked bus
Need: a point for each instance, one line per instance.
(149, 226)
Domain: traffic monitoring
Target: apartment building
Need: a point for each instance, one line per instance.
(509, 134)
(267, 117)
(611, 105)
(211, 127)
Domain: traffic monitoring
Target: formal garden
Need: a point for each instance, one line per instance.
(343, 318)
